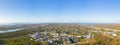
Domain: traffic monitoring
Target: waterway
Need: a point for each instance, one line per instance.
(9, 30)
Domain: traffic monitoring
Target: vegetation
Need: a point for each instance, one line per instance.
(15, 34)
(22, 37)
(19, 41)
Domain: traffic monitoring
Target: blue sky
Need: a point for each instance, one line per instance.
(59, 11)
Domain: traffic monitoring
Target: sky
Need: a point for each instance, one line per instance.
(59, 11)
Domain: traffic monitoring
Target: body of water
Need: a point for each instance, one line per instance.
(9, 30)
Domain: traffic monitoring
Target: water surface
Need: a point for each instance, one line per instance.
(9, 30)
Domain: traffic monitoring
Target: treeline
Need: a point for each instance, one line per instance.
(15, 34)
(23, 40)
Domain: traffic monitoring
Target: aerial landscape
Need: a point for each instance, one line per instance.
(60, 34)
(59, 22)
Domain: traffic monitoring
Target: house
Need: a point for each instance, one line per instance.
(35, 36)
(89, 36)
(70, 40)
(51, 42)
(113, 34)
